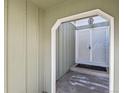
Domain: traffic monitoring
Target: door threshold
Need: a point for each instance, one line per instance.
(85, 70)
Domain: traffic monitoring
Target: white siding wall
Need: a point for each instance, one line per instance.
(65, 48)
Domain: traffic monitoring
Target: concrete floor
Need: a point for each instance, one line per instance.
(74, 82)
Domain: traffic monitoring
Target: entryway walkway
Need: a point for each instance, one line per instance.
(74, 82)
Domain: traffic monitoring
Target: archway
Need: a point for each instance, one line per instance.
(75, 17)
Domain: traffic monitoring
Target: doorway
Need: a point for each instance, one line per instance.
(92, 41)
(93, 57)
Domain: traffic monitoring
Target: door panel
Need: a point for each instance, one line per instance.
(82, 46)
(99, 46)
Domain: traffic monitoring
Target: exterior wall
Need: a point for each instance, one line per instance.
(22, 47)
(69, 8)
(32, 48)
(17, 43)
(5, 45)
(16, 46)
(65, 48)
(41, 51)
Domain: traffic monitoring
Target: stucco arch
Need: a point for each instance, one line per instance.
(75, 17)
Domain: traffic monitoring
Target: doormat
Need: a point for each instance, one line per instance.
(92, 67)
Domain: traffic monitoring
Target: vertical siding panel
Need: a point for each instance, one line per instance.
(5, 45)
(41, 81)
(22, 47)
(16, 46)
(32, 48)
(66, 48)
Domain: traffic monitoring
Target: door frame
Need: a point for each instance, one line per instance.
(75, 17)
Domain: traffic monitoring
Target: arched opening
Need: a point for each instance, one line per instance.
(76, 17)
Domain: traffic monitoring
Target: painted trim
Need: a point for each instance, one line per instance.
(75, 17)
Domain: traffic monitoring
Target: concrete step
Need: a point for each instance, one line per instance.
(89, 71)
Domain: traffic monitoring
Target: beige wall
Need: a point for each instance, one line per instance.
(68, 8)
(22, 49)
(16, 46)
(41, 51)
(32, 48)
(65, 48)
(5, 46)
(23, 43)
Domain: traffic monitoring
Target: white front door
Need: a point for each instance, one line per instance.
(82, 46)
(92, 46)
(100, 46)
